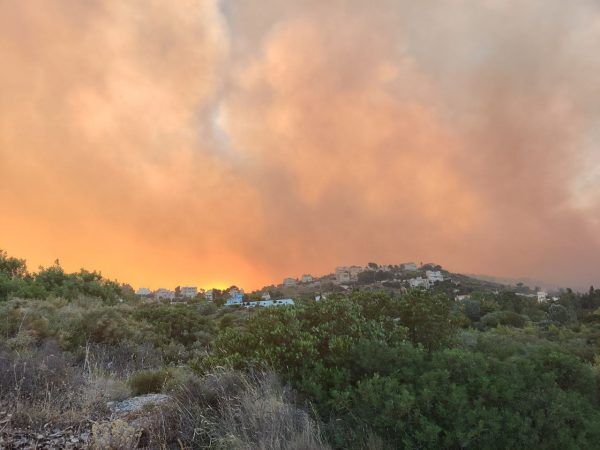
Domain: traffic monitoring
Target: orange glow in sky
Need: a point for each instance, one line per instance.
(212, 142)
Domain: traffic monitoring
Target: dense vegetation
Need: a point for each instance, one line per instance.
(379, 369)
(16, 281)
(397, 370)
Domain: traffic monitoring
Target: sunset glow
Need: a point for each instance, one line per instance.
(229, 142)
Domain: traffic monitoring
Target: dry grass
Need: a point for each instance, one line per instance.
(42, 386)
(224, 410)
(229, 410)
(121, 360)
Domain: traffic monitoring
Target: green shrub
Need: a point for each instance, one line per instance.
(182, 325)
(558, 313)
(508, 318)
(350, 357)
(148, 381)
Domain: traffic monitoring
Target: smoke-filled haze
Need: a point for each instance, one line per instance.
(241, 141)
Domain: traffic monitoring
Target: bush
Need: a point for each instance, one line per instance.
(38, 374)
(234, 410)
(558, 313)
(349, 356)
(207, 308)
(102, 325)
(148, 381)
(429, 318)
(123, 359)
(508, 318)
(42, 386)
(182, 325)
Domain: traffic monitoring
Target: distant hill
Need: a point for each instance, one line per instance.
(532, 283)
(397, 277)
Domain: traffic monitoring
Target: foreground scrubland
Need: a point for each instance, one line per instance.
(357, 370)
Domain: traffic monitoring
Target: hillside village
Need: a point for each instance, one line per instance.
(390, 277)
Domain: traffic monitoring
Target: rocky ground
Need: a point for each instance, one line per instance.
(124, 428)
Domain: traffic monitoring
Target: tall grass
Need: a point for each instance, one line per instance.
(223, 410)
(231, 410)
(44, 385)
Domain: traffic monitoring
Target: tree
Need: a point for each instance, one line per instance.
(366, 277)
(472, 309)
(381, 275)
(509, 318)
(128, 292)
(12, 270)
(12, 267)
(558, 313)
(428, 317)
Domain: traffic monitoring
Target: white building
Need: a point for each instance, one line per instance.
(265, 303)
(289, 282)
(342, 275)
(235, 290)
(235, 299)
(459, 298)
(164, 294)
(411, 266)
(419, 282)
(434, 276)
(354, 271)
(345, 274)
(209, 295)
(143, 291)
(189, 291)
(266, 296)
(307, 278)
(542, 296)
(284, 302)
(269, 303)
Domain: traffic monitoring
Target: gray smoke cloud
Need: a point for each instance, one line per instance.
(243, 141)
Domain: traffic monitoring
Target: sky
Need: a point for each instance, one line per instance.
(238, 142)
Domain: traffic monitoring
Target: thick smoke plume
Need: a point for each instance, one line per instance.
(243, 141)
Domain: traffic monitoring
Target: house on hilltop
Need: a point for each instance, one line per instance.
(289, 282)
(269, 303)
(235, 299)
(189, 291)
(164, 294)
(307, 278)
(347, 274)
(419, 282)
(434, 276)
